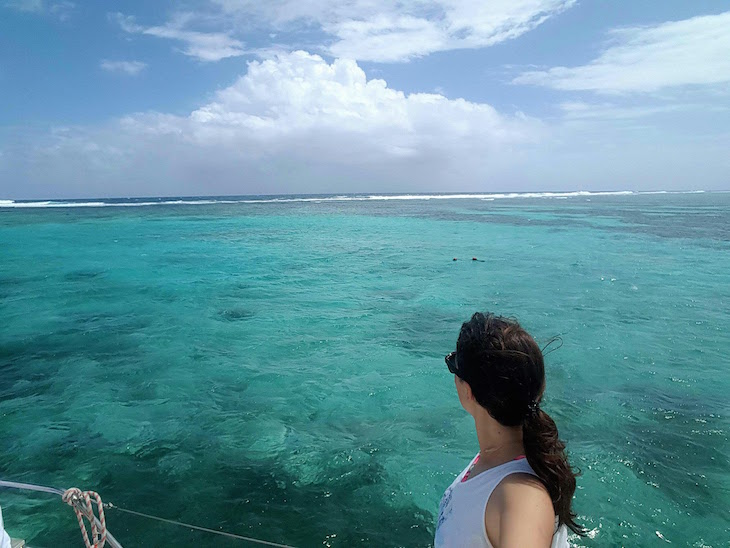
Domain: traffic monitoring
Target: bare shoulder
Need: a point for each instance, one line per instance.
(520, 499)
(524, 488)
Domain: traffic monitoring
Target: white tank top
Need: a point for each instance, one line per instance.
(462, 508)
(4, 538)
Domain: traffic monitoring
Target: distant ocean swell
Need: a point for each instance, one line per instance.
(339, 198)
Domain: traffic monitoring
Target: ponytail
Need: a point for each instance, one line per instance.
(505, 369)
(546, 454)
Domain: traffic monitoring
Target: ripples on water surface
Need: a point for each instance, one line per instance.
(276, 369)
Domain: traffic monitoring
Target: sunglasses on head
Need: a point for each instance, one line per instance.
(452, 364)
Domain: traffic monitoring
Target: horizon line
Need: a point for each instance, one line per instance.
(8, 202)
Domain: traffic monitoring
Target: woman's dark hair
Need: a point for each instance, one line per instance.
(505, 370)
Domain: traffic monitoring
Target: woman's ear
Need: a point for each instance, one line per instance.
(468, 394)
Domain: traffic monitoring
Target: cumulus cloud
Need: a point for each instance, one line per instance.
(204, 46)
(131, 68)
(377, 30)
(299, 92)
(295, 123)
(692, 52)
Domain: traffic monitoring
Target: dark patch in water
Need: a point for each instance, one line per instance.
(16, 281)
(421, 330)
(83, 275)
(257, 498)
(113, 325)
(235, 314)
(93, 337)
(668, 437)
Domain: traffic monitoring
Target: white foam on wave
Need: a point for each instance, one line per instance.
(486, 197)
(671, 192)
(43, 204)
(342, 198)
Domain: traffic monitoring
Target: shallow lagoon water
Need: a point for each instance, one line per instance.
(276, 369)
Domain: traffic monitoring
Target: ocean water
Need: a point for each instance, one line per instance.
(274, 367)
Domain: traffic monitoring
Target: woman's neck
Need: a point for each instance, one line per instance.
(497, 444)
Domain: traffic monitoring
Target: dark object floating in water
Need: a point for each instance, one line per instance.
(454, 258)
(473, 258)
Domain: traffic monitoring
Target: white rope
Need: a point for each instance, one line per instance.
(112, 541)
(31, 487)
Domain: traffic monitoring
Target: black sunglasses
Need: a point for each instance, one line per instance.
(452, 364)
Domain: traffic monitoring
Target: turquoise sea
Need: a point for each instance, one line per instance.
(274, 367)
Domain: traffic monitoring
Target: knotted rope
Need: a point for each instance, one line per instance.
(80, 501)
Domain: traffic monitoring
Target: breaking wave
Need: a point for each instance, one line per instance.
(318, 199)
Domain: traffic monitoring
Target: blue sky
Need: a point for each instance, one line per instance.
(306, 96)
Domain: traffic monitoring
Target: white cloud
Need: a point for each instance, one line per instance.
(438, 26)
(299, 93)
(613, 112)
(61, 9)
(579, 110)
(291, 124)
(694, 51)
(131, 68)
(205, 46)
(380, 30)
(30, 6)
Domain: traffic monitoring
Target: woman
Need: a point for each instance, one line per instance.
(518, 490)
